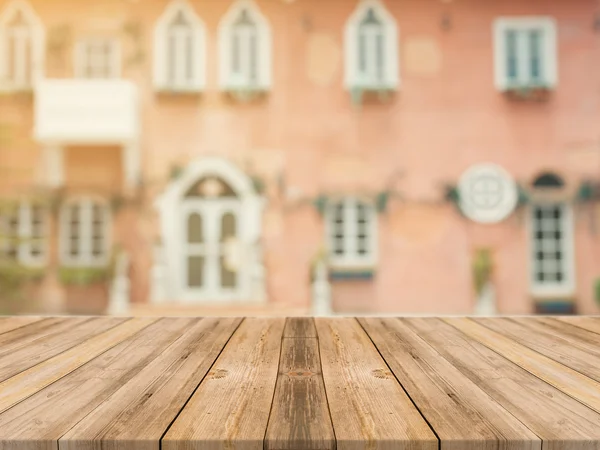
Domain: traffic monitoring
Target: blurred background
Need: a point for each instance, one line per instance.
(291, 157)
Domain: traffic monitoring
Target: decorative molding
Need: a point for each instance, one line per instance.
(353, 79)
(264, 66)
(161, 57)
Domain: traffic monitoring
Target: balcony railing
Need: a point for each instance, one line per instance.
(86, 111)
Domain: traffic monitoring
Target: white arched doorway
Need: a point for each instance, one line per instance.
(210, 227)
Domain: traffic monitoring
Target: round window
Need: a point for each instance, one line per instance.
(487, 193)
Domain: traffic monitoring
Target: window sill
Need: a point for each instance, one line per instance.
(166, 91)
(538, 92)
(342, 274)
(555, 306)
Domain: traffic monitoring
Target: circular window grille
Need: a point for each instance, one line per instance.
(487, 193)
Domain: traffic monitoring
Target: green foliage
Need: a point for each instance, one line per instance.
(320, 203)
(482, 269)
(13, 276)
(452, 194)
(83, 276)
(523, 196)
(597, 291)
(381, 201)
(585, 191)
(258, 184)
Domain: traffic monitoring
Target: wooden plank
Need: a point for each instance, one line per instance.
(300, 417)
(569, 381)
(12, 323)
(231, 407)
(13, 361)
(574, 335)
(22, 336)
(587, 323)
(560, 421)
(577, 355)
(137, 415)
(300, 327)
(39, 421)
(34, 379)
(369, 409)
(462, 415)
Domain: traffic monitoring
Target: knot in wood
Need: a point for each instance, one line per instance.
(382, 373)
(217, 373)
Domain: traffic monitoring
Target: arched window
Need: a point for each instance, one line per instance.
(548, 180)
(212, 211)
(180, 48)
(245, 48)
(210, 227)
(85, 233)
(21, 46)
(552, 249)
(371, 48)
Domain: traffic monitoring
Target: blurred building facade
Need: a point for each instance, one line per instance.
(245, 155)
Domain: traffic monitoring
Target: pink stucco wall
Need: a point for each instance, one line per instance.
(446, 116)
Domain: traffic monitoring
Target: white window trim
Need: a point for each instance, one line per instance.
(392, 64)
(24, 256)
(352, 261)
(86, 259)
(550, 51)
(80, 58)
(161, 82)
(169, 205)
(567, 287)
(265, 63)
(37, 45)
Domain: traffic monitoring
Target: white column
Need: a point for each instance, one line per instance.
(158, 280)
(486, 303)
(119, 293)
(131, 164)
(54, 165)
(321, 292)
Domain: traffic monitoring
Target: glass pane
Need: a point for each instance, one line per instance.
(195, 271)
(511, 55)
(228, 226)
(195, 229)
(535, 52)
(228, 277)
(379, 45)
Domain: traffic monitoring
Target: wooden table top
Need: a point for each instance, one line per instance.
(87, 383)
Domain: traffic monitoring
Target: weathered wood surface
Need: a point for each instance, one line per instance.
(101, 383)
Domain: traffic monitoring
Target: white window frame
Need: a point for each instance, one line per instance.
(351, 260)
(85, 258)
(81, 57)
(352, 78)
(547, 25)
(24, 231)
(161, 49)
(227, 80)
(567, 286)
(37, 42)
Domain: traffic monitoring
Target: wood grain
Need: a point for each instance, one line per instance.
(369, 409)
(231, 407)
(300, 415)
(547, 341)
(15, 360)
(569, 381)
(37, 422)
(137, 415)
(463, 416)
(28, 382)
(587, 323)
(23, 335)
(300, 327)
(12, 323)
(560, 421)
